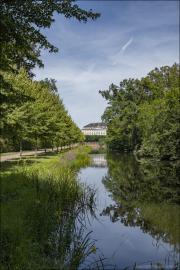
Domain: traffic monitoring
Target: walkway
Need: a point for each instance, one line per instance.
(31, 153)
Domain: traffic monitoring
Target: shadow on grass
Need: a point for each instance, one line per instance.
(11, 164)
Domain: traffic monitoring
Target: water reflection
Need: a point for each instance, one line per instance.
(145, 196)
(98, 160)
(137, 212)
(70, 244)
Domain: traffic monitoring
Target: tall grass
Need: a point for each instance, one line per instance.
(39, 205)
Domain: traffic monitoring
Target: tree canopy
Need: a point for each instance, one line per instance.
(41, 116)
(20, 25)
(33, 109)
(143, 115)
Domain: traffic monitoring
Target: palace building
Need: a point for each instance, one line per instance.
(95, 129)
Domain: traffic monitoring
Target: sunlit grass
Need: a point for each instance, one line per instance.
(39, 197)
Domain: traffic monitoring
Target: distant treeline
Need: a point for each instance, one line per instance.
(144, 115)
(94, 138)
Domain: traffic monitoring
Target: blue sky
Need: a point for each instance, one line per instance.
(129, 40)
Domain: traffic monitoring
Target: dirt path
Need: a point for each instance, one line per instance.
(31, 153)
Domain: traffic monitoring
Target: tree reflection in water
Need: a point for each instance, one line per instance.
(145, 195)
(67, 247)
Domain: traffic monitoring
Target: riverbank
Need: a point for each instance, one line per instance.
(38, 199)
(137, 212)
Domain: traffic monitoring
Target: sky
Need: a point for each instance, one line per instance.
(129, 40)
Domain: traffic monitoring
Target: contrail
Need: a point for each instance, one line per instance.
(121, 51)
(125, 46)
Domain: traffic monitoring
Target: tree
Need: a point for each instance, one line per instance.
(33, 118)
(159, 125)
(27, 64)
(20, 37)
(121, 114)
(159, 117)
(41, 115)
(50, 84)
(56, 118)
(144, 115)
(20, 26)
(160, 80)
(16, 111)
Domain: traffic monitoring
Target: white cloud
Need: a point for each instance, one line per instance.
(89, 58)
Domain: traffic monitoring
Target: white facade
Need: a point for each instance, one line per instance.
(95, 129)
(99, 160)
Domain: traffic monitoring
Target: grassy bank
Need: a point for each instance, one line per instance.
(40, 200)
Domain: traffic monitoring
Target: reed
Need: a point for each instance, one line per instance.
(40, 201)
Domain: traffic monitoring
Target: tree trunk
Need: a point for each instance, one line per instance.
(61, 146)
(35, 146)
(57, 147)
(45, 145)
(20, 148)
(52, 145)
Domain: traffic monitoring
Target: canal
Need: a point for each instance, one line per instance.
(136, 220)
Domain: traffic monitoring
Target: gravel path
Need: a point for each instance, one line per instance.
(13, 156)
(31, 153)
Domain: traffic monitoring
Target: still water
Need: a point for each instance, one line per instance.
(137, 210)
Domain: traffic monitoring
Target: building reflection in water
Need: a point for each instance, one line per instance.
(99, 160)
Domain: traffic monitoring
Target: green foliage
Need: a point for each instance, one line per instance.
(159, 123)
(42, 115)
(20, 26)
(6, 146)
(121, 114)
(20, 45)
(12, 145)
(144, 115)
(94, 138)
(50, 84)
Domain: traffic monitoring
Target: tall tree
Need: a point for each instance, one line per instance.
(144, 115)
(15, 115)
(159, 125)
(41, 115)
(20, 25)
(50, 84)
(121, 114)
(29, 64)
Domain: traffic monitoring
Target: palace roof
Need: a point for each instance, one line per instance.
(94, 125)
